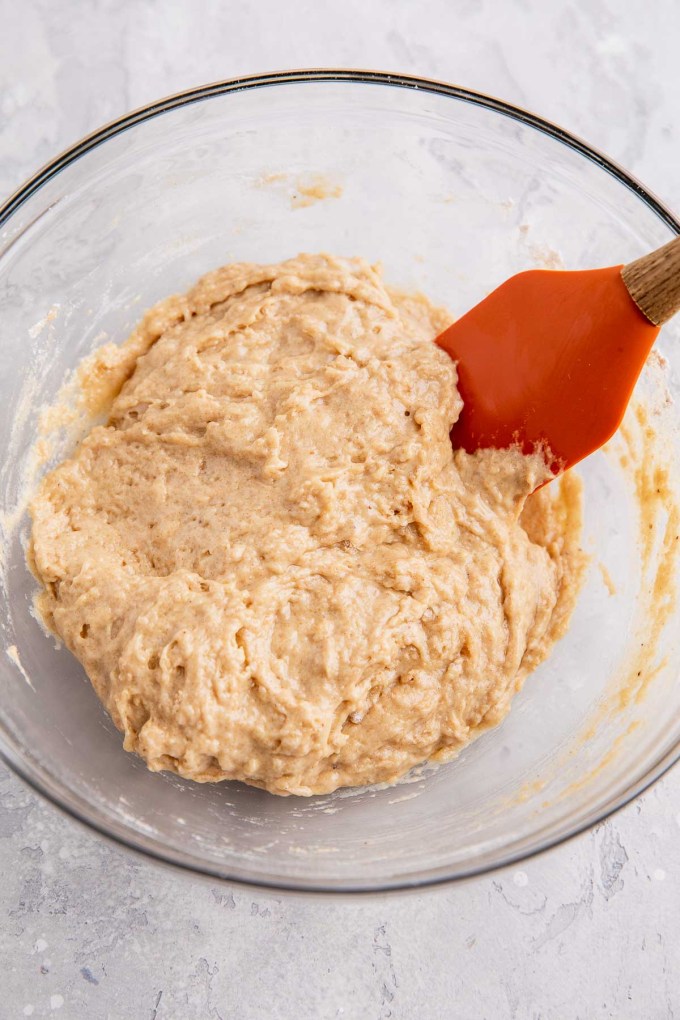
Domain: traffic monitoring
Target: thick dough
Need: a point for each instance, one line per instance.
(270, 561)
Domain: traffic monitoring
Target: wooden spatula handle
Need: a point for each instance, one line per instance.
(653, 282)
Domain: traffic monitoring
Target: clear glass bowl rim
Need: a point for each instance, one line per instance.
(11, 754)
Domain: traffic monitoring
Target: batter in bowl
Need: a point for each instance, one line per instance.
(270, 561)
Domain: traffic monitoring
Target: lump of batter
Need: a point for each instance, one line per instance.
(270, 561)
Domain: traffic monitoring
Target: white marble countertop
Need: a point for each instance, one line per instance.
(586, 931)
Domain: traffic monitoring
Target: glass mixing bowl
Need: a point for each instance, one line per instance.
(453, 192)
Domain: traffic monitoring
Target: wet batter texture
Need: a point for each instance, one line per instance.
(270, 561)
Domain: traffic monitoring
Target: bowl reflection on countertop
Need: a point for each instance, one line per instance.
(452, 192)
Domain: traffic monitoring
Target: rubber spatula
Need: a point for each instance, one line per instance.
(549, 359)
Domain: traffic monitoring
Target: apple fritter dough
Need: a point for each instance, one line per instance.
(270, 561)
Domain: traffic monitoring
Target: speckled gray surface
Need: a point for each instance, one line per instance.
(589, 930)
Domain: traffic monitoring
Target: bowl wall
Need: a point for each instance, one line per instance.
(452, 193)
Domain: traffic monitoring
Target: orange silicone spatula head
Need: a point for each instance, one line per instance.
(550, 359)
